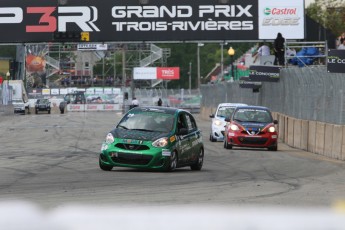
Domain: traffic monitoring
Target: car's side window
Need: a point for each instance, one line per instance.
(191, 123)
(181, 122)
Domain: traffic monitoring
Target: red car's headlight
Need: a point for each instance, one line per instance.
(271, 129)
(234, 127)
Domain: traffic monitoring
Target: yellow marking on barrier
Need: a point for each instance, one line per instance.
(339, 206)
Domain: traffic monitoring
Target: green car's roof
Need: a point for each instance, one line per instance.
(167, 110)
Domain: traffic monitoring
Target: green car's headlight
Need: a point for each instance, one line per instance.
(109, 138)
(161, 142)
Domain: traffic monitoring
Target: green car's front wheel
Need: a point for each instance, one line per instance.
(105, 167)
(198, 164)
(172, 162)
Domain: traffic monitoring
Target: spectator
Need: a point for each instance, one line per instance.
(279, 51)
(342, 46)
(135, 102)
(263, 50)
(159, 103)
(340, 40)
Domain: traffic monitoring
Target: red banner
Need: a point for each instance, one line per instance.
(168, 73)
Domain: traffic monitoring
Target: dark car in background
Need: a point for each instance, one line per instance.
(77, 97)
(42, 105)
(160, 138)
(251, 126)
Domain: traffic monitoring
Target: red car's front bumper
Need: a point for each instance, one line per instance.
(261, 140)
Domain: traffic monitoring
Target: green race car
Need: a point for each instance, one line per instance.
(160, 138)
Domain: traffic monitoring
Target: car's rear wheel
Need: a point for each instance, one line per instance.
(105, 167)
(198, 164)
(49, 111)
(172, 162)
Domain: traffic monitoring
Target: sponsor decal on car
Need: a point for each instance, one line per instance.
(172, 138)
(166, 153)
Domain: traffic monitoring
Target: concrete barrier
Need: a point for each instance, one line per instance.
(297, 132)
(312, 136)
(320, 138)
(342, 157)
(290, 132)
(304, 134)
(337, 141)
(327, 151)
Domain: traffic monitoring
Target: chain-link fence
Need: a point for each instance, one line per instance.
(309, 93)
(180, 98)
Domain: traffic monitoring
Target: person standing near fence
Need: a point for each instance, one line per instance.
(135, 103)
(279, 50)
(159, 103)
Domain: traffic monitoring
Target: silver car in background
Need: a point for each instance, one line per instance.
(218, 120)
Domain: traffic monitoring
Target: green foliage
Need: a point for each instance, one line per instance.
(8, 51)
(210, 55)
(329, 13)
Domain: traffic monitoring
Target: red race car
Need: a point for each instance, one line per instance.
(251, 126)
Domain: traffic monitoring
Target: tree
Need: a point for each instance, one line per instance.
(8, 51)
(329, 13)
(210, 55)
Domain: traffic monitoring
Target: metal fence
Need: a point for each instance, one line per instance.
(304, 93)
(180, 98)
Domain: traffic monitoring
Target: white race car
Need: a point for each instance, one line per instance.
(218, 120)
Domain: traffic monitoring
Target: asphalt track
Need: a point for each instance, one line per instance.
(52, 160)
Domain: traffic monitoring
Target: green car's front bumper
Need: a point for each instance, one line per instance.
(142, 155)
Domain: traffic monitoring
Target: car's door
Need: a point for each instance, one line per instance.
(184, 140)
(195, 139)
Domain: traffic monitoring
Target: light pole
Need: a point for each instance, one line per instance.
(222, 61)
(231, 53)
(198, 57)
(190, 76)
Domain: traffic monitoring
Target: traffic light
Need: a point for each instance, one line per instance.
(68, 36)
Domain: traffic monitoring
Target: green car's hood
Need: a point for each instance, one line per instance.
(138, 135)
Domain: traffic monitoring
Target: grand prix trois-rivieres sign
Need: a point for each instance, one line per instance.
(156, 20)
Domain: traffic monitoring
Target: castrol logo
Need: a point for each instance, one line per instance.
(280, 11)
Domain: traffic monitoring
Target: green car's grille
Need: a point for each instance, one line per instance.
(131, 159)
(132, 147)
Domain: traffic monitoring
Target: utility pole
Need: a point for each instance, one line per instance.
(190, 76)
(198, 58)
(222, 61)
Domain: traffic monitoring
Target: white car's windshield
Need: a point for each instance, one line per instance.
(225, 111)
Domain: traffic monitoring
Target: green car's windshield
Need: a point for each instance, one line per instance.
(147, 121)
